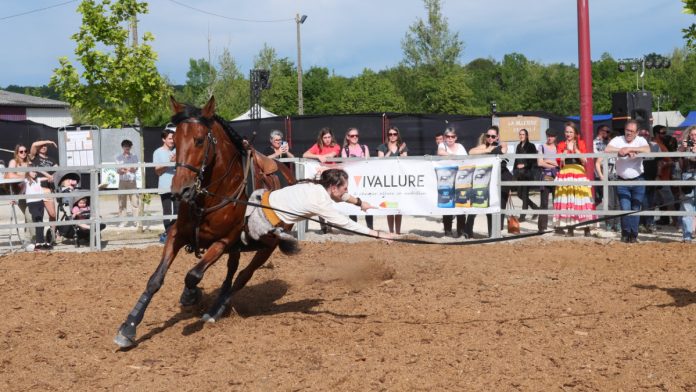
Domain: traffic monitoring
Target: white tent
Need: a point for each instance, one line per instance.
(668, 119)
(263, 113)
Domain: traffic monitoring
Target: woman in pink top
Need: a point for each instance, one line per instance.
(353, 149)
(325, 147)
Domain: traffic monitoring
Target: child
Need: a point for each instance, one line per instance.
(81, 210)
(35, 206)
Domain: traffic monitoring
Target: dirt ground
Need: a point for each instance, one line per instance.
(579, 315)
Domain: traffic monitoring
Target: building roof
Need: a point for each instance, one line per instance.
(8, 98)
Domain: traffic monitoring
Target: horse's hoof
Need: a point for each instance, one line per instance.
(208, 318)
(123, 341)
(190, 297)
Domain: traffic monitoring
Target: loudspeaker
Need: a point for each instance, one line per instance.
(631, 106)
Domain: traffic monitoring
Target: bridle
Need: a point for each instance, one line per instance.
(200, 171)
(198, 210)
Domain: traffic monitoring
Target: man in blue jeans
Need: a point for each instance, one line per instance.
(629, 167)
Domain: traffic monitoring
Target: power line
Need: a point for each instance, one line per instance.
(230, 18)
(37, 10)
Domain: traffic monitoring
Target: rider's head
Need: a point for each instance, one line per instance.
(335, 181)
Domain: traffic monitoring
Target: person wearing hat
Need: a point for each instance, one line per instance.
(549, 168)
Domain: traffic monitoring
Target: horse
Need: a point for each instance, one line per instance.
(209, 182)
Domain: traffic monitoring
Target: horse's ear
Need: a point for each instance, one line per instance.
(176, 106)
(209, 108)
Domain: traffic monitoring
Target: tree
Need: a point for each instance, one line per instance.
(430, 42)
(370, 93)
(199, 81)
(281, 98)
(690, 32)
(120, 83)
(231, 90)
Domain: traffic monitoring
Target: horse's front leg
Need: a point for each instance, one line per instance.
(192, 294)
(126, 333)
(220, 305)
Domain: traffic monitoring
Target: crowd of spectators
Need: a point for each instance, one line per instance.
(628, 165)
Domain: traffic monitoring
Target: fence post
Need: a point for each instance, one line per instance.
(495, 218)
(95, 241)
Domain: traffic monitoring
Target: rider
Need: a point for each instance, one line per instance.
(300, 201)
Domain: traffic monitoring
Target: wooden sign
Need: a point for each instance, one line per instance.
(510, 127)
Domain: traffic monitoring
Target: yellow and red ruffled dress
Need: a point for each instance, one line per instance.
(571, 198)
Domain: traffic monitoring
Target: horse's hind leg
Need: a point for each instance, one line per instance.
(192, 294)
(220, 305)
(244, 275)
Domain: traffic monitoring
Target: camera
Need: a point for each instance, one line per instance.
(690, 143)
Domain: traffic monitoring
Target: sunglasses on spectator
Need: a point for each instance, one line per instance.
(353, 135)
(491, 136)
(21, 151)
(450, 136)
(393, 134)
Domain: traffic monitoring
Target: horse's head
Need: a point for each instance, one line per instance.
(195, 147)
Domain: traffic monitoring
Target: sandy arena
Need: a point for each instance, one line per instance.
(540, 314)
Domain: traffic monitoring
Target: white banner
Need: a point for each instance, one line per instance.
(420, 186)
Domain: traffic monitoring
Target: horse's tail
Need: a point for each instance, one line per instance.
(287, 243)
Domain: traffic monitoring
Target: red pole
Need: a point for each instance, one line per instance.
(585, 64)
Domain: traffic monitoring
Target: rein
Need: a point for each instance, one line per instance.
(465, 242)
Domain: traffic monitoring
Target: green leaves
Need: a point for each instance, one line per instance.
(120, 84)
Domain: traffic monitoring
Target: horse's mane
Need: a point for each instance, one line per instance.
(194, 112)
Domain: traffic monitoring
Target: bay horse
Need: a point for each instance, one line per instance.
(210, 183)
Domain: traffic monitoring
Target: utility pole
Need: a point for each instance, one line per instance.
(300, 100)
(585, 65)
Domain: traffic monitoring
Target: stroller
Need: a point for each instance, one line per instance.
(68, 182)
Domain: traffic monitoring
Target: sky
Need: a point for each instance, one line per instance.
(345, 36)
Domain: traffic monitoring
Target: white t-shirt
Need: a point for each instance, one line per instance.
(307, 200)
(161, 155)
(458, 149)
(628, 168)
(33, 188)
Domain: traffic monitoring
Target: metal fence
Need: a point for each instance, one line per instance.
(95, 193)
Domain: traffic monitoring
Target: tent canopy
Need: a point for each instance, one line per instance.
(689, 120)
(263, 113)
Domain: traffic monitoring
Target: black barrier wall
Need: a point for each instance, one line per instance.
(417, 130)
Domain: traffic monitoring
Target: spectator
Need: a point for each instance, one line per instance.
(664, 195)
(325, 146)
(450, 147)
(569, 199)
(126, 181)
(353, 149)
(523, 170)
(80, 211)
(688, 173)
(599, 144)
(394, 147)
(38, 155)
(21, 159)
(629, 167)
(611, 199)
(647, 223)
(549, 170)
(35, 205)
(165, 154)
(439, 138)
(492, 145)
(278, 148)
